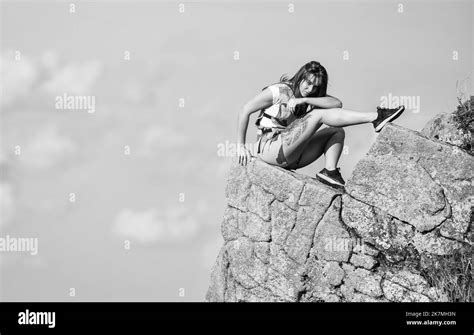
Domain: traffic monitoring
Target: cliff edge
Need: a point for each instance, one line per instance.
(400, 231)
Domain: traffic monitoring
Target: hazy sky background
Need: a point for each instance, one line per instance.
(174, 149)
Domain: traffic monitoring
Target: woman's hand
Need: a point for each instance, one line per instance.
(243, 154)
(292, 103)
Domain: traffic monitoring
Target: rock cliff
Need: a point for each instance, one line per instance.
(400, 231)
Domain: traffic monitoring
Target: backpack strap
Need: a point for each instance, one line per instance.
(262, 111)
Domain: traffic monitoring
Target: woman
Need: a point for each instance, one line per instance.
(292, 111)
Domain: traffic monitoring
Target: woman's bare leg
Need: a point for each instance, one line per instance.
(329, 141)
(339, 117)
(333, 148)
(299, 132)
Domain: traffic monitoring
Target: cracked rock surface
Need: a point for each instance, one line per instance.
(290, 238)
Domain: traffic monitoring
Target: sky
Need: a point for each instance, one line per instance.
(126, 199)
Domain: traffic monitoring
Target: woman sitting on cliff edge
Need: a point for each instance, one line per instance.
(292, 111)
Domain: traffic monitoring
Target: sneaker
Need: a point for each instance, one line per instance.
(386, 115)
(332, 177)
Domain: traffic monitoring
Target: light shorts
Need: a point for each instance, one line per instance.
(271, 151)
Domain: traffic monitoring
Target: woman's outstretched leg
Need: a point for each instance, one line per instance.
(339, 117)
(300, 131)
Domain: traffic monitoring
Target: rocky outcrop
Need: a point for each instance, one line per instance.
(454, 128)
(289, 238)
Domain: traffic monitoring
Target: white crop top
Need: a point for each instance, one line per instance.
(280, 116)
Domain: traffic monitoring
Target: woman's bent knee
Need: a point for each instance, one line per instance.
(340, 132)
(315, 115)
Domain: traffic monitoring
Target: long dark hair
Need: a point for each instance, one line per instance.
(310, 68)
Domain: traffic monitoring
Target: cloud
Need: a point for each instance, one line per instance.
(210, 251)
(76, 78)
(203, 206)
(222, 167)
(212, 109)
(157, 137)
(6, 203)
(46, 148)
(49, 60)
(3, 155)
(21, 75)
(134, 92)
(151, 226)
(17, 77)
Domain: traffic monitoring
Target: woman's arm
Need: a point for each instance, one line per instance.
(323, 102)
(262, 100)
